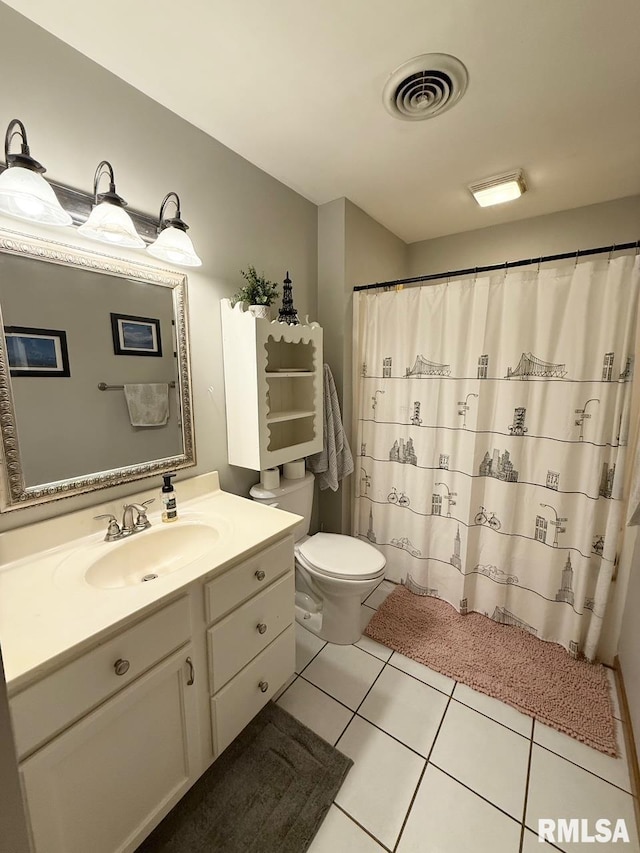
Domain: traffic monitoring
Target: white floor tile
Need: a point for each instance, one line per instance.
(339, 833)
(614, 770)
(284, 687)
(405, 708)
(379, 787)
(344, 672)
(366, 643)
(493, 708)
(485, 756)
(379, 594)
(559, 789)
(423, 673)
(316, 710)
(532, 843)
(448, 818)
(617, 713)
(307, 645)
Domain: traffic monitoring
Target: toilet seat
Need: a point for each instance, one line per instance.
(339, 556)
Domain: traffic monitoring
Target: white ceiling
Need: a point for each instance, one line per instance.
(295, 87)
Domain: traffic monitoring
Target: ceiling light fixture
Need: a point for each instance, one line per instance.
(173, 243)
(24, 193)
(499, 189)
(109, 222)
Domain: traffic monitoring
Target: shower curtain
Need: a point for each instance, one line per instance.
(492, 424)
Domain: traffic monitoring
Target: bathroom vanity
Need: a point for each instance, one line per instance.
(123, 692)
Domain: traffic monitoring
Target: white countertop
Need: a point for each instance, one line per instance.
(48, 611)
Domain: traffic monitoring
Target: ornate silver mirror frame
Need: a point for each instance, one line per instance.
(14, 493)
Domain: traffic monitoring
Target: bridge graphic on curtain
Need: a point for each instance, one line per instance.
(530, 365)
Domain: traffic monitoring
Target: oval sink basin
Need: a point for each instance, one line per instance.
(152, 554)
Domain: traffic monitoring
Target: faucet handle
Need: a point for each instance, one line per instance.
(142, 522)
(113, 530)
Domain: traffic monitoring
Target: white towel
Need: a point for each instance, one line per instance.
(633, 504)
(334, 462)
(148, 404)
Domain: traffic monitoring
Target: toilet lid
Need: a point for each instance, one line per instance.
(341, 556)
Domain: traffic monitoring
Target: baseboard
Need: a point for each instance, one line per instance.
(629, 738)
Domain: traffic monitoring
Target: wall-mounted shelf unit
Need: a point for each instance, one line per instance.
(273, 388)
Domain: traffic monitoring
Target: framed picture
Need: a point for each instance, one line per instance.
(135, 335)
(36, 352)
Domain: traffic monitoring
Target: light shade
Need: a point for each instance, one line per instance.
(24, 193)
(175, 246)
(499, 189)
(109, 223)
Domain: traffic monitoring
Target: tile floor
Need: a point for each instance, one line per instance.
(438, 767)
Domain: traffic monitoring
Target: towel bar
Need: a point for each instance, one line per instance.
(102, 386)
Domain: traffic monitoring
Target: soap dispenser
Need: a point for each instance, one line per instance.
(168, 499)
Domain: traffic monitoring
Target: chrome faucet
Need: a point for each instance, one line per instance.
(130, 524)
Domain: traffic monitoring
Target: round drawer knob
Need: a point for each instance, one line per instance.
(121, 666)
(264, 686)
(260, 575)
(261, 627)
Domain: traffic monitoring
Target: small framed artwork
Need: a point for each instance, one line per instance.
(36, 352)
(135, 335)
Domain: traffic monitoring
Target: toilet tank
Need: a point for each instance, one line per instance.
(292, 496)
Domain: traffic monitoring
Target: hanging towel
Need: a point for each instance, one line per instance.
(633, 504)
(148, 404)
(334, 462)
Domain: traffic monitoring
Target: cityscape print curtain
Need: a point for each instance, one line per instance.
(492, 424)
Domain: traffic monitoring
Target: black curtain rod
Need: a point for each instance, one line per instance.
(581, 253)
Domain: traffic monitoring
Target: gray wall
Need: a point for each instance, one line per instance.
(352, 249)
(76, 114)
(565, 231)
(629, 646)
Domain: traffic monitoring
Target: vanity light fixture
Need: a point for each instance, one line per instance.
(109, 222)
(24, 193)
(499, 189)
(173, 244)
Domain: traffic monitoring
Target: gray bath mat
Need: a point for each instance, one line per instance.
(267, 793)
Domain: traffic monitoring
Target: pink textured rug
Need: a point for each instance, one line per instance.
(535, 677)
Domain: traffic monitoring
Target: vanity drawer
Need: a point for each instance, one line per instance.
(238, 703)
(239, 637)
(241, 582)
(50, 705)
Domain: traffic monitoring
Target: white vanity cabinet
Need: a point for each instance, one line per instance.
(110, 740)
(104, 781)
(251, 644)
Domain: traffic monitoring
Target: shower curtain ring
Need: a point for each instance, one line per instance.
(575, 263)
(611, 251)
(539, 262)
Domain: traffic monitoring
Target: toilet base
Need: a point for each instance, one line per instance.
(334, 622)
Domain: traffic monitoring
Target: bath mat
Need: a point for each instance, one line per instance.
(536, 677)
(267, 793)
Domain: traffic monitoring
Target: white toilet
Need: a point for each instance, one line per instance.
(334, 573)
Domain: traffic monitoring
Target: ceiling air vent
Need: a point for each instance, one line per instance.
(425, 86)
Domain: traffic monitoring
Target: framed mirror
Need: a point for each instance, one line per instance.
(95, 383)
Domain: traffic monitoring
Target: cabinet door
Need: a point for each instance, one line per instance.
(105, 782)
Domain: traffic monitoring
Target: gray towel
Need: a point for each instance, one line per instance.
(334, 462)
(148, 404)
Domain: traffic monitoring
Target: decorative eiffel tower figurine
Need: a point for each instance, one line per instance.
(288, 314)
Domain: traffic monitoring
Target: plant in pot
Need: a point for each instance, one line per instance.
(258, 292)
